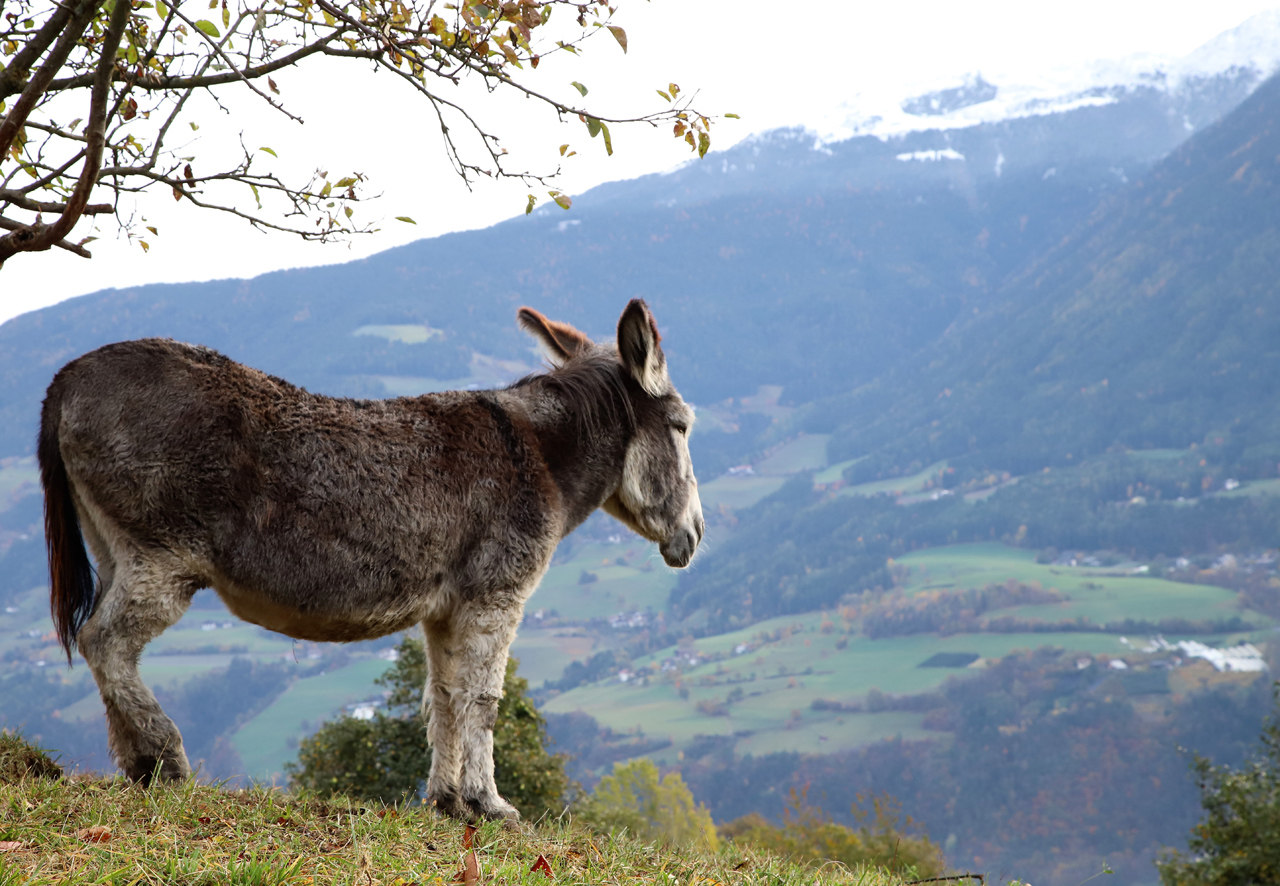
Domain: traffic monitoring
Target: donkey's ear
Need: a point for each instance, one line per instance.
(640, 349)
(561, 340)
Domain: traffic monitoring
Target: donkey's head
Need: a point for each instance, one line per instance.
(657, 495)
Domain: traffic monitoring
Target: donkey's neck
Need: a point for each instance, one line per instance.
(584, 452)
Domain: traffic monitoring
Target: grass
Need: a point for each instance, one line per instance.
(85, 830)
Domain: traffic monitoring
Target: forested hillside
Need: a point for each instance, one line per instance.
(1153, 324)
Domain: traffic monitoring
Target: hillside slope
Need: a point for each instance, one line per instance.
(1153, 324)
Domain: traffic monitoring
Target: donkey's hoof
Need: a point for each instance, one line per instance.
(492, 809)
(449, 804)
(147, 768)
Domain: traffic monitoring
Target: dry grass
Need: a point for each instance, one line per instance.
(82, 830)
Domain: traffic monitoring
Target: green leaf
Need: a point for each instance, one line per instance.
(732, 117)
(704, 143)
(593, 126)
(664, 95)
(345, 182)
(529, 207)
(562, 200)
(208, 27)
(578, 86)
(254, 188)
(267, 150)
(226, 17)
(162, 10)
(608, 142)
(619, 35)
(406, 219)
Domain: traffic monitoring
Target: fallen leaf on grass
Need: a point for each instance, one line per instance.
(469, 837)
(470, 873)
(95, 834)
(542, 866)
(10, 845)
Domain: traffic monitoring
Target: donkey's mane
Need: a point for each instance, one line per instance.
(593, 389)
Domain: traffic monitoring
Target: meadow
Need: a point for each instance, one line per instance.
(759, 685)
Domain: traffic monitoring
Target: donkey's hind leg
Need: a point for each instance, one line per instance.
(142, 599)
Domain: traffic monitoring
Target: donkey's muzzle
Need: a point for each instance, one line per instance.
(678, 549)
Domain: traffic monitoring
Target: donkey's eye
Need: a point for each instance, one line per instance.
(681, 427)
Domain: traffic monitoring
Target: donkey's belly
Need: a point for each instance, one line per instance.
(318, 623)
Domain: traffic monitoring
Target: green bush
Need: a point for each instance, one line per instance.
(809, 835)
(1238, 842)
(633, 798)
(387, 758)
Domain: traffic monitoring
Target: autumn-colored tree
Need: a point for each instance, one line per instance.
(633, 797)
(807, 834)
(93, 94)
(387, 758)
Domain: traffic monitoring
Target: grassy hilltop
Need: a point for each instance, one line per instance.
(82, 829)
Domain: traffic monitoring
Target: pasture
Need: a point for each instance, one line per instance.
(1099, 594)
(759, 684)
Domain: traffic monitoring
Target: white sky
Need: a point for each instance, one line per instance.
(754, 58)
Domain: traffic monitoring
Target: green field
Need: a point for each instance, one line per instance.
(1253, 487)
(1098, 594)
(896, 485)
(737, 492)
(629, 576)
(18, 477)
(780, 677)
(808, 452)
(269, 740)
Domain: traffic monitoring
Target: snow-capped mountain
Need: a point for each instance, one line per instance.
(1238, 59)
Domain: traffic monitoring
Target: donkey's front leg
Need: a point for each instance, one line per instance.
(485, 633)
(440, 708)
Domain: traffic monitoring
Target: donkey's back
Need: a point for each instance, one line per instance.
(319, 517)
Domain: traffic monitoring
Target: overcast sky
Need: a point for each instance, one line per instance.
(757, 59)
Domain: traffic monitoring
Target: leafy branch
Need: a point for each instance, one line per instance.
(131, 67)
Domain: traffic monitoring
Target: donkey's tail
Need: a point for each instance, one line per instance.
(71, 577)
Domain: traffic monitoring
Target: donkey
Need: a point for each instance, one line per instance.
(335, 520)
